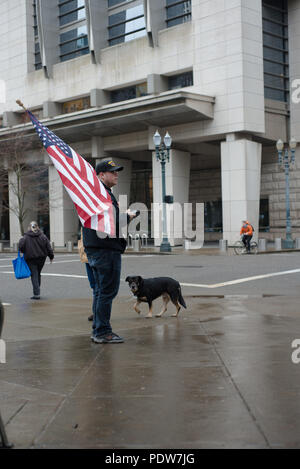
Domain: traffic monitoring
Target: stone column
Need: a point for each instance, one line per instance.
(294, 67)
(64, 221)
(124, 180)
(98, 149)
(240, 168)
(177, 185)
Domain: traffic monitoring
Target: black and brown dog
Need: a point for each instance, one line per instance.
(148, 289)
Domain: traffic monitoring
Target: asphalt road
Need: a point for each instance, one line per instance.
(200, 275)
(221, 375)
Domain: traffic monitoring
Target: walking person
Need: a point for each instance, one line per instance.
(104, 257)
(89, 270)
(36, 247)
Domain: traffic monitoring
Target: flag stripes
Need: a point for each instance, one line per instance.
(92, 201)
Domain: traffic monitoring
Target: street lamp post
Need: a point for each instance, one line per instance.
(285, 161)
(162, 151)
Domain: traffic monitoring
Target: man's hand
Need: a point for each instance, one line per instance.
(133, 214)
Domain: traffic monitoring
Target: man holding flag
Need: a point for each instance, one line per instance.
(98, 212)
(104, 256)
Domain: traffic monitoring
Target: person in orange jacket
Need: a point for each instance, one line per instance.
(246, 233)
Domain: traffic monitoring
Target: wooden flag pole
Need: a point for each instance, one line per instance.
(21, 104)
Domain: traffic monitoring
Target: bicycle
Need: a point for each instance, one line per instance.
(240, 249)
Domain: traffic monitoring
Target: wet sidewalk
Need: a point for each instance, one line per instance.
(209, 248)
(219, 376)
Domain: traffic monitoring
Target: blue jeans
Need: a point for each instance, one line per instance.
(90, 275)
(92, 281)
(106, 266)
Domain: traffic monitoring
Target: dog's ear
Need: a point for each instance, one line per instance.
(140, 279)
(127, 279)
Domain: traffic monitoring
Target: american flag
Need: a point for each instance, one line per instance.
(92, 201)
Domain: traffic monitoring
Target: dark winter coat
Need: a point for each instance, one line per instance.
(35, 245)
(92, 243)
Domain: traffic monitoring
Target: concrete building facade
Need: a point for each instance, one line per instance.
(221, 76)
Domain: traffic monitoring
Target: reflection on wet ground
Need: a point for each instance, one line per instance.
(219, 376)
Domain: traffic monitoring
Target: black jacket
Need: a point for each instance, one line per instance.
(35, 245)
(92, 242)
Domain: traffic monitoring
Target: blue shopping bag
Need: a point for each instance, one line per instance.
(20, 267)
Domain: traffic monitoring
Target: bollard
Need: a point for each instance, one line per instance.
(262, 244)
(297, 243)
(144, 240)
(52, 245)
(129, 240)
(137, 243)
(70, 246)
(223, 244)
(1, 247)
(187, 244)
(278, 244)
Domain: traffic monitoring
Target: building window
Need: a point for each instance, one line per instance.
(178, 11)
(70, 11)
(35, 28)
(37, 56)
(141, 187)
(37, 53)
(126, 25)
(213, 216)
(180, 81)
(76, 105)
(74, 43)
(73, 29)
(275, 46)
(131, 92)
(112, 3)
(264, 223)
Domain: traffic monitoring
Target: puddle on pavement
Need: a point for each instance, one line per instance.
(211, 319)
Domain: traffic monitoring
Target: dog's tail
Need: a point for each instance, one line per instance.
(180, 298)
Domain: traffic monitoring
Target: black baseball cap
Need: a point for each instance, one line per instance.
(107, 165)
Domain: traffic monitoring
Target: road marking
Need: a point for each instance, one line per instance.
(48, 263)
(56, 257)
(73, 260)
(196, 285)
(63, 262)
(64, 275)
(51, 275)
(137, 255)
(242, 280)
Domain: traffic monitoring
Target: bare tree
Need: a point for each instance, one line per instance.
(22, 175)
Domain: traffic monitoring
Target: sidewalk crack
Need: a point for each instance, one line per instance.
(17, 412)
